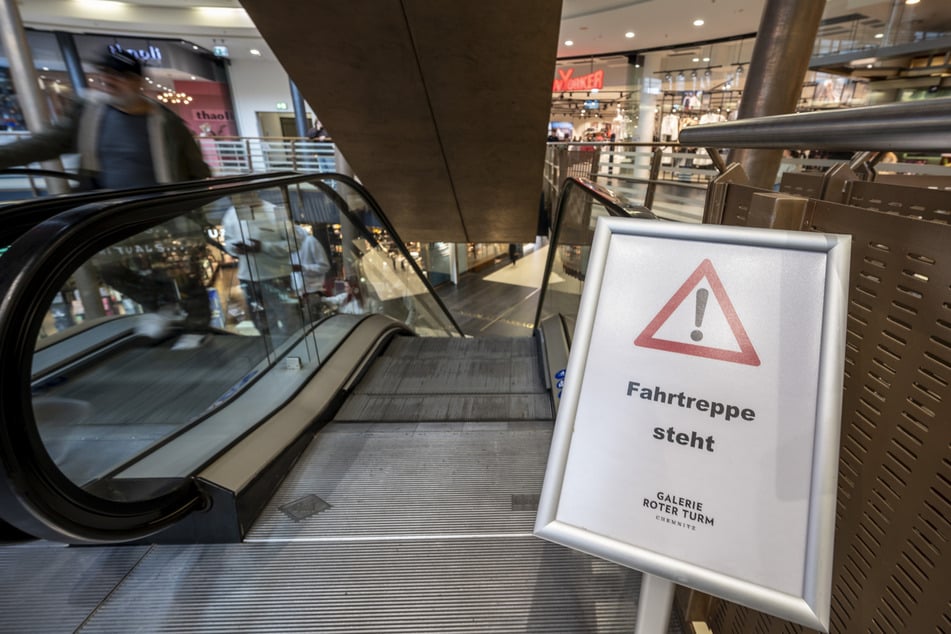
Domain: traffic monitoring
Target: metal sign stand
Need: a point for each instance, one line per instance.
(654, 605)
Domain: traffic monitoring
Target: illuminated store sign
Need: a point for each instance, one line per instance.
(152, 53)
(566, 81)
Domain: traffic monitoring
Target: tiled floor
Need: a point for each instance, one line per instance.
(499, 300)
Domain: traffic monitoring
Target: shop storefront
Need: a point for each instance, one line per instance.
(186, 78)
(595, 100)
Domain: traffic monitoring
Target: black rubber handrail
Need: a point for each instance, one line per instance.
(39, 173)
(18, 218)
(615, 206)
(32, 173)
(34, 495)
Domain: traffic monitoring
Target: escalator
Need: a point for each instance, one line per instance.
(321, 471)
(109, 402)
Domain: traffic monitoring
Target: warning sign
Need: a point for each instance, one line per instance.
(697, 431)
(700, 308)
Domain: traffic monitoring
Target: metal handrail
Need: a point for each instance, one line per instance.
(920, 126)
(648, 175)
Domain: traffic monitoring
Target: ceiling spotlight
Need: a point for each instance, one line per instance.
(739, 69)
(698, 22)
(879, 36)
(706, 59)
(667, 77)
(629, 34)
(706, 73)
(569, 43)
(680, 75)
(695, 59)
(255, 51)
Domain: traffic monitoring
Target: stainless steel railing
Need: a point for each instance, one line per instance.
(918, 126)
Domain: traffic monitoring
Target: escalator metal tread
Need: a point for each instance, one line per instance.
(63, 586)
(397, 480)
(517, 584)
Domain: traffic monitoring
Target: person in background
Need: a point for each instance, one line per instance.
(310, 265)
(262, 239)
(124, 140)
(318, 133)
(352, 301)
(885, 164)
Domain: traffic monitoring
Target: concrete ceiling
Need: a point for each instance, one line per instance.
(440, 107)
(597, 27)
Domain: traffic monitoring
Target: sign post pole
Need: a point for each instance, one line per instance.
(654, 605)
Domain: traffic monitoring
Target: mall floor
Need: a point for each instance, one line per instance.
(498, 299)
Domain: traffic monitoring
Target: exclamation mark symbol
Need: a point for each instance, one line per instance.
(702, 293)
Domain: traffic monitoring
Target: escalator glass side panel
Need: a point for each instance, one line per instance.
(189, 313)
(185, 314)
(580, 204)
(568, 255)
(372, 272)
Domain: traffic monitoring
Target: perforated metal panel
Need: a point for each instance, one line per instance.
(736, 205)
(892, 551)
(916, 180)
(806, 184)
(928, 204)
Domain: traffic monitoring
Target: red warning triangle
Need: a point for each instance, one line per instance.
(746, 354)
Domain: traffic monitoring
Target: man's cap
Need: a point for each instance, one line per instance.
(120, 62)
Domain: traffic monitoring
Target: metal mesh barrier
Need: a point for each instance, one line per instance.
(893, 527)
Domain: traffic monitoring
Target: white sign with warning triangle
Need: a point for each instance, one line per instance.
(697, 437)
